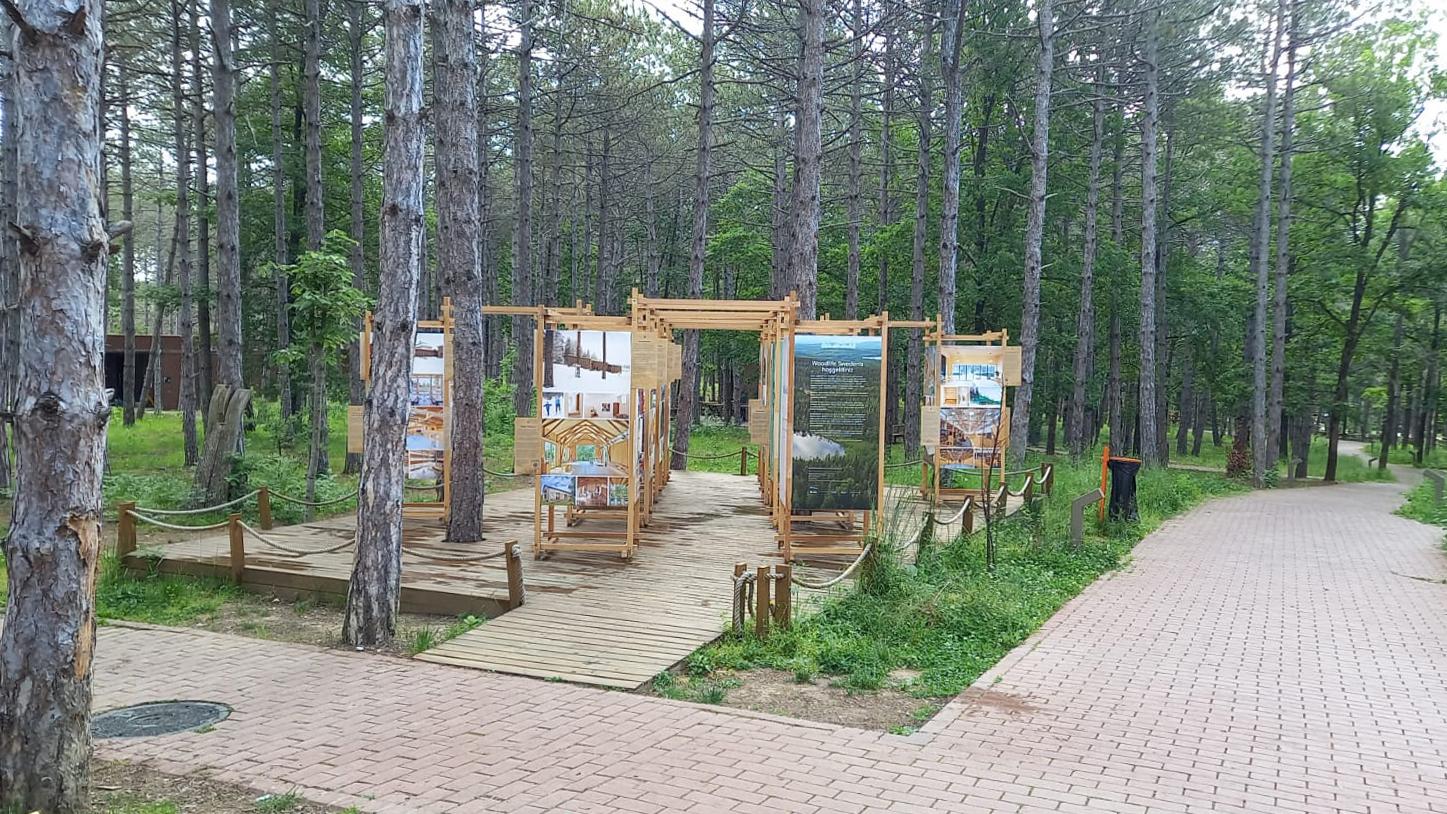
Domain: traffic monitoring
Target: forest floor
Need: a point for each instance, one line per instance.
(128, 788)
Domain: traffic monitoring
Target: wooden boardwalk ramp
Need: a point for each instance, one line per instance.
(621, 624)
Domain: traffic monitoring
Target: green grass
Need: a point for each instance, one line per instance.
(426, 638)
(1422, 505)
(946, 616)
(121, 803)
(1407, 456)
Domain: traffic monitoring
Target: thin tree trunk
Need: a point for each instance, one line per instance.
(522, 272)
(1150, 453)
(1188, 403)
(1075, 433)
(982, 233)
(1430, 377)
(1389, 418)
(803, 266)
(201, 282)
(914, 373)
(183, 247)
(315, 212)
(228, 211)
(128, 254)
(53, 546)
(280, 255)
(9, 249)
(1276, 398)
(1034, 234)
(887, 214)
(951, 45)
(856, 162)
(459, 222)
(1262, 453)
(698, 242)
(357, 24)
(375, 587)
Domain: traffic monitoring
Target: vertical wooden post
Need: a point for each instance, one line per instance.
(515, 595)
(238, 547)
(783, 595)
(125, 530)
(263, 507)
(743, 460)
(761, 601)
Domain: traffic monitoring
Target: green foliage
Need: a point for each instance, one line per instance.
(157, 598)
(426, 638)
(324, 305)
(276, 803)
(945, 616)
(1422, 505)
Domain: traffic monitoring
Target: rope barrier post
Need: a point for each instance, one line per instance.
(1049, 479)
(126, 530)
(743, 460)
(739, 600)
(514, 575)
(967, 516)
(1077, 516)
(238, 547)
(783, 596)
(263, 507)
(761, 601)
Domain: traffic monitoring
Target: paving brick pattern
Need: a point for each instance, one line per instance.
(1265, 653)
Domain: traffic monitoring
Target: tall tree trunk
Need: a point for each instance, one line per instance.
(493, 344)
(951, 45)
(201, 282)
(1389, 418)
(128, 253)
(375, 587)
(979, 164)
(459, 222)
(914, 360)
(887, 213)
(9, 248)
(1262, 452)
(357, 24)
(1283, 240)
(183, 246)
(803, 274)
(856, 160)
(779, 223)
(280, 254)
(315, 212)
(1034, 233)
(1188, 402)
(1150, 453)
(1075, 432)
(53, 546)
(698, 242)
(1430, 387)
(522, 271)
(228, 206)
(1163, 348)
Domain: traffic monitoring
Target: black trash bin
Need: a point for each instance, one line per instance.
(1122, 489)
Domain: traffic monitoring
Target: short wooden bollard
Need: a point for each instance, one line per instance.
(1437, 484)
(515, 593)
(761, 601)
(743, 460)
(238, 547)
(1077, 516)
(783, 596)
(125, 530)
(263, 507)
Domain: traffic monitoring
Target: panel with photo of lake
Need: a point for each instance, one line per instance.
(835, 447)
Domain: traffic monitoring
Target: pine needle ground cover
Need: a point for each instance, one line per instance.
(927, 629)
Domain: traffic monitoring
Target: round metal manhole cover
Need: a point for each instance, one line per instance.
(159, 718)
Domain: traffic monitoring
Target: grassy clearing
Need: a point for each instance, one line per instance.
(1422, 505)
(945, 619)
(1407, 456)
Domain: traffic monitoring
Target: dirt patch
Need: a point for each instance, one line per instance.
(777, 692)
(129, 788)
(1012, 705)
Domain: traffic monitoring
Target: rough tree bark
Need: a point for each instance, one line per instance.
(280, 255)
(1394, 382)
(914, 373)
(357, 23)
(128, 252)
(228, 211)
(185, 313)
(9, 247)
(459, 222)
(1150, 120)
(951, 45)
(522, 271)
(856, 159)
(803, 265)
(698, 242)
(375, 587)
(315, 211)
(1276, 399)
(1034, 233)
(1262, 453)
(201, 177)
(53, 547)
(886, 210)
(1075, 432)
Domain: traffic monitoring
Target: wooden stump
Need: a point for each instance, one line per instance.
(223, 439)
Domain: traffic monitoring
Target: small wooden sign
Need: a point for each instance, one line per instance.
(354, 428)
(645, 361)
(758, 422)
(929, 426)
(1010, 365)
(527, 445)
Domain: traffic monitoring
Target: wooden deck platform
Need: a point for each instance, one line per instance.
(588, 618)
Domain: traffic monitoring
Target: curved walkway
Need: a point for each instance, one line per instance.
(1270, 652)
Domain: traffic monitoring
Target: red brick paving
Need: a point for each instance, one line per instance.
(1264, 653)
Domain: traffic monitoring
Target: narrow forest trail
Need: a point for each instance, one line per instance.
(1276, 651)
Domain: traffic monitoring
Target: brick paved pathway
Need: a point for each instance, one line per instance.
(1269, 653)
